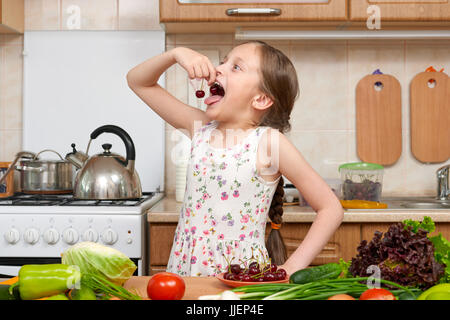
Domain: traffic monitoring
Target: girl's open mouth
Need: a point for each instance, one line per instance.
(217, 93)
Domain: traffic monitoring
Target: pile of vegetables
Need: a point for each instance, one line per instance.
(413, 264)
(406, 254)
(89, 271)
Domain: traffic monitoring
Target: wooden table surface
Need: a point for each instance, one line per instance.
(195, 286)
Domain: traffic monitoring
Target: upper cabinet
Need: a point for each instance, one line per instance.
(401, 10)
(12, 16)
(228, 14)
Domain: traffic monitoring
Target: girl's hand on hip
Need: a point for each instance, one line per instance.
(197, 65)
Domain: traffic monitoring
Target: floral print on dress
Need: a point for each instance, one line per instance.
(224, 212)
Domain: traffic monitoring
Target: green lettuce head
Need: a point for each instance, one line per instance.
(94, 258)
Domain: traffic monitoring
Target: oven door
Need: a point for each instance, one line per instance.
(9, 267)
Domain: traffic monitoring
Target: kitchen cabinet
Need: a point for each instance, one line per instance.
(368, 229)
(184, 16)
(12, 16)
(402, 10)
(343, 244)
(161, 239)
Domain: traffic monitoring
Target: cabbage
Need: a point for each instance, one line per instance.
(94, 258)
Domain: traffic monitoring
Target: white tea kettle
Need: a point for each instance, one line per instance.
(106, 176)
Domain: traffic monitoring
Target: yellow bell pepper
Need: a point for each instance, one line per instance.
(437, 292)
(362, 204)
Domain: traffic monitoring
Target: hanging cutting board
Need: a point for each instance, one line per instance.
(430, 117)
(379, 119)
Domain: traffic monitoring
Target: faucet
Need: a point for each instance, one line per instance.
(443, 190)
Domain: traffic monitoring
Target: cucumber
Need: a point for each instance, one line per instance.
(323, 272)
(5, 295)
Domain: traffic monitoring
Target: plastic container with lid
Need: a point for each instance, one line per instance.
(361, 181)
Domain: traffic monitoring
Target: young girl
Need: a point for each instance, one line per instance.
(238, 155)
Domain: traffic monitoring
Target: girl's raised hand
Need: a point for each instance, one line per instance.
(196, 64)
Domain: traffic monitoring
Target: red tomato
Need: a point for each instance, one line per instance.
(166, 286)
(341, 297)
(377, 294)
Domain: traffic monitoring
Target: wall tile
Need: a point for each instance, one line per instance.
(139, 15)
(94, 15)
(322, 73)
(11, 85)
(10, 144)
(42, 14)
(325, 151)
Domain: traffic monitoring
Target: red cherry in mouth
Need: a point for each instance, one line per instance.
(199, 94)
(216, 89)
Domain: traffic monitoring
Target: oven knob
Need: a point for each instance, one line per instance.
(12, 236)
(31, 236)
(70, 236)
(109, 236)
(51, 236)
(90, 235)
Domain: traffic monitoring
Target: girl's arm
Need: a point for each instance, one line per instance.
(319, 196)
(143, 81)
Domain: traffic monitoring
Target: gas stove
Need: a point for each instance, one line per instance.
(38, 228)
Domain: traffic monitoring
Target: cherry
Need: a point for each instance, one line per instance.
(228, 276)
(269, 277)
(253, 270)
(247, 278)
(273, 267)
(238, 277)
(216, 89)
(235, 268)
(254, 264)
(199, 94)
(281, 273)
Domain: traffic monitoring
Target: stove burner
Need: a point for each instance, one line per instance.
(21, 199)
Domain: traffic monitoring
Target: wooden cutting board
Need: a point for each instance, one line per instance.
(379, 119)
(195, 286)
(430, 117)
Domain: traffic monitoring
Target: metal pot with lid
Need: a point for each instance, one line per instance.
(42, 176)
(107, 175)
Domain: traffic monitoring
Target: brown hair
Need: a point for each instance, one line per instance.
(280, 83)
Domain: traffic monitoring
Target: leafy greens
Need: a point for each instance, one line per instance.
(405, 254)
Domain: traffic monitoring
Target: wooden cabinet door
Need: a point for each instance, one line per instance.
(402, 10)
(342, 244)
(368, 229)
(161, 240)
(179, 11)
(12, 16)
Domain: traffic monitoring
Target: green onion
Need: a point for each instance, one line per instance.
(316, 290)
(106, 287)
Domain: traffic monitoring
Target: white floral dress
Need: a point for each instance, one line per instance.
(224, 213)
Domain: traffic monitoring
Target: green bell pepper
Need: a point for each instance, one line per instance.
(60, 296)
(44, 280)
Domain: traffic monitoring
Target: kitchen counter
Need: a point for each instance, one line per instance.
(195, 286)
(167, 211)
